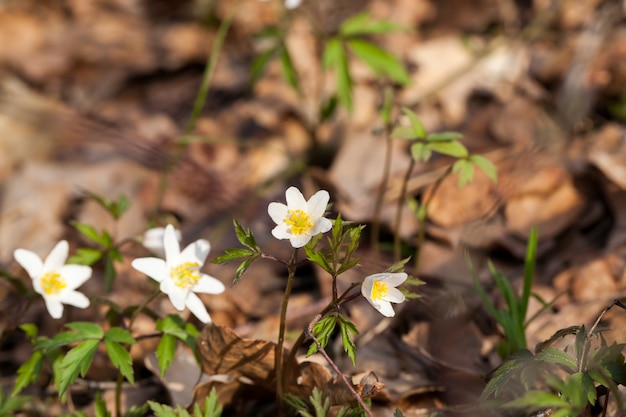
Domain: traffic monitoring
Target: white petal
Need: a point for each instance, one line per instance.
(74, 298)
(322, 225)
(198, 309)
(316, 205)
(295, 199)
(385, 308)
(395, 279)
(171, 245)
(30, 262)
(153, 240)
(292, 4)
(298, 241)
(54, 307)
(278, 212)
(209, 285)
(166, 286)
(75, 275)
(281, 231)
(394, 295)
(366, 288)
(155, 268)
(178, 297)
(57, 257)
(196, 252)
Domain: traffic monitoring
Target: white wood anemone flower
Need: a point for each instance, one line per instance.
(380, 290)
(300, 219)
(179, 274)
(54, 280)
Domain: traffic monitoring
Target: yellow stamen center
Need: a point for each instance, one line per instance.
(186, 275)
(52, 283)
(379, 290)
(299, 221)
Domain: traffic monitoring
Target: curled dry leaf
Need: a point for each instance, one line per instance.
(249, 367)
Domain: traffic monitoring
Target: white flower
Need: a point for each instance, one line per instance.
(300, 220)
(153, 240)
(380, 291)
(179, 274)
(54, 280)
(291, 4)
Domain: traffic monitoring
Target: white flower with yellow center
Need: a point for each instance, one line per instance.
(300, 220)
(54, 280)
(179, 274)
(380, 290)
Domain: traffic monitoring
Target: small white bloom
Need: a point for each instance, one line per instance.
(54, 280)
(153, 240)
(380, 290)
(300, 220)
(179, 274)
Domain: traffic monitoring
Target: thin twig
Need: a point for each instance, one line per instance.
(332, 364)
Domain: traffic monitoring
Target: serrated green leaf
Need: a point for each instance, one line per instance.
(212, 407)
(420, 152)
(233, 254)
(242, 268)
(85, 256)
(363, 24)
(347, 330)
(455, 149)
(289, 71)
(465, 170)
(557, 356)
(165, 352)
(245, 237)
(76, 361)
(90, 233)
(398, 413)
(318, 259)
(28, 372)
(86, 329)
(416, 124)
(444, 137)
(538, 400)
(379, 60)
(404, 133)
(119, 335)
(162, 410)
(486, 166)
(120, 357)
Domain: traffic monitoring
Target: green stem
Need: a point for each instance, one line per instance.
(280, 378)
(421, 237)
(142, 307)
(200, 101)
(118, 395)
(375, 237)
(397, 249)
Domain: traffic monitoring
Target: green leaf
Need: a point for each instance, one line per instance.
(86, 330)
(101, 406)
(78, 360)
(289, 71)
(398, 413)
(260, 62)
(363, 24)
(529, 271)
(245, 237)
(121, 359)
(212, 407)
(347, 330)
(387, 106)
(486, 166)
(537, 400)
(90, 233)
(243, 267)
(165, 352)
(335, 58)
(30, 330)
(557, 356)
(454, 148)
(233, 254)
(465, 170)
(328, 107)
(28, 372)
(322, 332)
(404, 133)
(318, 259)
(416, 123)
(85, 256)
(380, 61)
(444, 137)
(420, 152)
(119, 335)
(162, 410)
